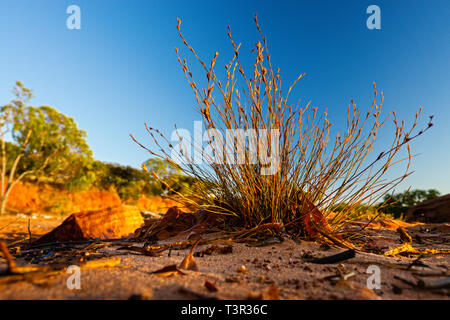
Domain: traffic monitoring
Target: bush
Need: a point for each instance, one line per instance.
(397, 204)
(315, 171)
(43, 144)
(130, 182)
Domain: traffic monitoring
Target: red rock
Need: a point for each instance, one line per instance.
(435, 210)
(109, 223)
(177, 223)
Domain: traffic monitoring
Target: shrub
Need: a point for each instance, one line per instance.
(397, 204)
(315, 171)
(44, 145)
(130, 183)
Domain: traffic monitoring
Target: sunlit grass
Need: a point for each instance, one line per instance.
(317, 171)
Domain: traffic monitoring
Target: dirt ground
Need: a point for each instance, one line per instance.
(284, 265)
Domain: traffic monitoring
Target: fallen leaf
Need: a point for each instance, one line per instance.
(177, 224)
(406, 238)
(168, 271)
(188, 262)
(148, 251)
(345, 255)
(407, 248)
(102, 263)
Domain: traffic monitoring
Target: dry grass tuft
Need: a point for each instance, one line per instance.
(316, 172)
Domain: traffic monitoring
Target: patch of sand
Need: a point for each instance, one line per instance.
(284, 265)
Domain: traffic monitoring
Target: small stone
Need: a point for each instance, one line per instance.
(242, 269)
(231, 279)
(396, 290)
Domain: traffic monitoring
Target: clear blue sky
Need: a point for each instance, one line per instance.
(120, 69)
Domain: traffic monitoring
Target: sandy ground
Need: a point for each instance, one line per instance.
(284, 265)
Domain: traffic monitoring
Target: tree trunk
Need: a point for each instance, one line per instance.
(3, 205)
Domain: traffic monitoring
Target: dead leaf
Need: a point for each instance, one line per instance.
(176, 224)
(148, 251)
(406, 238)
(188, 262)
(345, 255)
(406, 247)
(168, 271)
(102, 263)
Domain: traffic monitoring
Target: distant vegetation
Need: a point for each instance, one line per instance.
(42, 145)
(130, 182)
(392, 206)
(397, 204)
(40, 142)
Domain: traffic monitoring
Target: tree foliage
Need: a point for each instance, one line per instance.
(397, 204)
(130, 182)
(40, 143)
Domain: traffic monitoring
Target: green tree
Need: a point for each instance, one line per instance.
(42, 143)
(174, 179)
(129, 182)
(397, 204)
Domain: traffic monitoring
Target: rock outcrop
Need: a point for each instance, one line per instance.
(436, 210)
(178, 224)
(109, 223)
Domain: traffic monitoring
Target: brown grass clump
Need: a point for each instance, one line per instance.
(315, 172)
